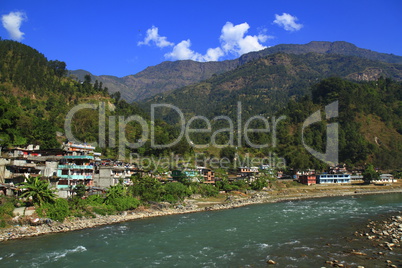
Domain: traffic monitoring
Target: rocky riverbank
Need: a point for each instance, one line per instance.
(190, 206)
(378, 243)
(386, 234)
(385, 240)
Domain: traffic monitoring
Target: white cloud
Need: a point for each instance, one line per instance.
(233, 40)
(153, 36)
(231, 35)
(182, 51)
(12, 23)
(248, 44)
(213, 54)
(287, 22)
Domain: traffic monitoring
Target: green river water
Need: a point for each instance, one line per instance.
(294, 234)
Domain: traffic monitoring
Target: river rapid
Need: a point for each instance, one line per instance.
(304, 233)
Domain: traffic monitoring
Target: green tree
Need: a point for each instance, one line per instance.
(59, 67)
(147, 188)
(370, 174)
(38, 190)
(176, 191)
(207, 190)
(118, 197)
(258, 184)
(115, 191)
(79, 190)
(225, 185)
(228, 152)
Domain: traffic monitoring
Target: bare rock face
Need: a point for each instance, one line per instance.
(369, 74)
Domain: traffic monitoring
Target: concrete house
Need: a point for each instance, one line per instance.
(77, 166)
(385, 178)
(189, 174)
(208, 176)
(333, 178)
(308, 179)
(75, 169)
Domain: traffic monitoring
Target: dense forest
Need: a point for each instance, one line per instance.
(370, 125)
(36, 94)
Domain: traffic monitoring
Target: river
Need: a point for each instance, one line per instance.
(302, 233)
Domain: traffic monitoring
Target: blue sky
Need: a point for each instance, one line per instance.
(124, 37)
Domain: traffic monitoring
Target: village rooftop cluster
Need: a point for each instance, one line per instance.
(76, 164)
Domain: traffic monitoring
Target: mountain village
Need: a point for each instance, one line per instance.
(78, 164)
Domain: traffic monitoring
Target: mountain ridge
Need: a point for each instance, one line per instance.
(169, 75)
(268, 83)
(324, 47)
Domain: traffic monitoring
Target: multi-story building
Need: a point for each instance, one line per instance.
(77, 166)
(333, 178)
(247, 172)
(208, 176)
(20, 169)
(113, 173)
(308, 179)
(75, 169)
(29, 162)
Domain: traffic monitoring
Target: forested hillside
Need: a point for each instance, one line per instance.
(36, 95)
(322, 47)
(370, 125)
(265, 86)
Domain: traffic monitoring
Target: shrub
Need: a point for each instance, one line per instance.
(57, 211)
(239, 185)
(95, 199)
(147, 189)
(79, 207)
(96, 204)
(6, 211)
(124, 203)
(6, 208)
(223, 185)
(258, 184)
(3, 223)
(77, 203)
(103, 209)
(207, 190)
(80, 190)
(177, 191)
(170, 198)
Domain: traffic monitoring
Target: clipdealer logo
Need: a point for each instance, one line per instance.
(243, 131)
(332, 147)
